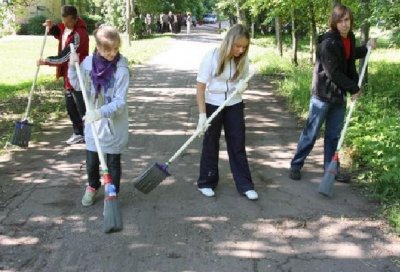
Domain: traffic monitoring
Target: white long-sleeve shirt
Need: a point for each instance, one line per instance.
(220, 87)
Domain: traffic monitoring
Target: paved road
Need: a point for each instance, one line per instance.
(174, 228)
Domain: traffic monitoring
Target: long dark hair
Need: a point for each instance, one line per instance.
(339, 11)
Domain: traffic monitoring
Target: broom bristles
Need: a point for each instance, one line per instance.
(151, 177)
(112, 215)
(326, 186)
(22, 134)
(112, 212)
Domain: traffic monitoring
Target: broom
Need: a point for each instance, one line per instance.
(326, 186)
(112, 212)
(157, 172)
(22, 130)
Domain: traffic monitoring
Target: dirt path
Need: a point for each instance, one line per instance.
(43, 226)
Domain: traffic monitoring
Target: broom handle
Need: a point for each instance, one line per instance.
(215, 113)
(86, 99)
(353, 102)
(35, 77)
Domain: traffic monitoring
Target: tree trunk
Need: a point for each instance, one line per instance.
(294, 39)
(278, 35)
(128, 21)
(240, 13)
(364, 29)
(313, 32)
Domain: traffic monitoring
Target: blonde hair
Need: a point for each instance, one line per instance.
(225, 51)
(107, 36)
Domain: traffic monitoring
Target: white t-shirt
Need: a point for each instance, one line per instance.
(220, 87)
(65, 35)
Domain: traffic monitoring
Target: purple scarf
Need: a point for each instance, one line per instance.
(102, 71)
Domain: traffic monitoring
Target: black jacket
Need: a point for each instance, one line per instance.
(334, 75)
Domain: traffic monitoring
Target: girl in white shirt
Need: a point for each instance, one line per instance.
(219, 73)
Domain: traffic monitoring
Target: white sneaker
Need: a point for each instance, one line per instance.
(251, 195)
(75, 139)
(207, 192)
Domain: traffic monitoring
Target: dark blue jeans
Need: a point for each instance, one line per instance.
(232, 119)
(92, 167)
(320, 112)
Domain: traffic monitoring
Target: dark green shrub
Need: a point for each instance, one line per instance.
(35, 25)
(91, 21)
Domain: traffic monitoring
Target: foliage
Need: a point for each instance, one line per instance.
(91, 21)
(34, 26)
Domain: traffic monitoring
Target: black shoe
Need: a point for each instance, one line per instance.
(343, 177)
(295, 174)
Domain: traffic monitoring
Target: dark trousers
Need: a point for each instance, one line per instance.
(76, 109)
(232, 119)
(92, 167)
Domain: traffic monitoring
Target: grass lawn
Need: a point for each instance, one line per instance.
(18, 57)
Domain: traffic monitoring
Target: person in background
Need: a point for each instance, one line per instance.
(334, 76)
(147, 21)
(188, 22)
(72, 29)
(108, 74)
(219, 75)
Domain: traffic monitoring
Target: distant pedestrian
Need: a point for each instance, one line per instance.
(220, 72)
(108, 74)
(334, 76)
(147, 21)
(188, 22)
(170, 21)
(72, 29)
(164, 19)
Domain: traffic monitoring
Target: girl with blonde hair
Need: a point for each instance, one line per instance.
(107, 76)
(220, 72)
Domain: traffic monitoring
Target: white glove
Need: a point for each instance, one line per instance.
(201, 125)
(73, 58)
(241, 86)
(92, 115)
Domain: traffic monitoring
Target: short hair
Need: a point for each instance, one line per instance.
(107, 36)
(69, 10)
(338, 12)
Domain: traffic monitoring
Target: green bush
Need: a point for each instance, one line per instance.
(34, 26)
(91, 22)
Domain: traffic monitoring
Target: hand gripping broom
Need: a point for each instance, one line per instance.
(157, 172)
(326, 186)
(22, 131)
(112, 212)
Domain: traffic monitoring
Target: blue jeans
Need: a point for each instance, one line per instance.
(320, 111)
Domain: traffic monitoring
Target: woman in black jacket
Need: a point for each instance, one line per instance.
(334, 76)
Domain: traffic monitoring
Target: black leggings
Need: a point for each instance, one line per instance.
(92, 167)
